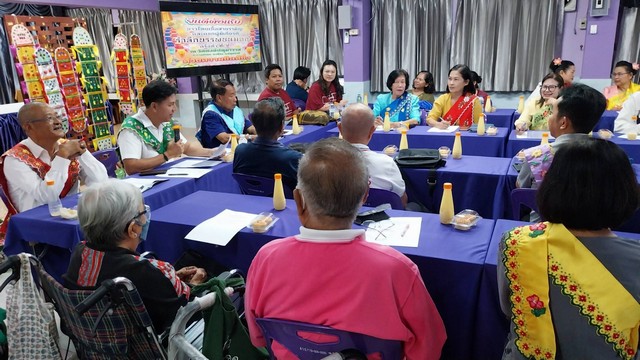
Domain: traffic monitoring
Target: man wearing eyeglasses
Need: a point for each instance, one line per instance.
(44, 154)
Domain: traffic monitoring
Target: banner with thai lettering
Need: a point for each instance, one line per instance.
(198, 39)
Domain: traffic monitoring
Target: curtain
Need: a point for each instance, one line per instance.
(148, 26)
(410, 34)
(628, 46)
(8, 76)
(100, 26)
(296, 33)
(508, 42)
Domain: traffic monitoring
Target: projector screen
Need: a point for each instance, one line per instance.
(205, 39)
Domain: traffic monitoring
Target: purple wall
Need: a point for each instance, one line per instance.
(357, 53)
(149, 5)
(599, 52)
(592, 53)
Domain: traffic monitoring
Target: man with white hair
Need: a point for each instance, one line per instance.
(43, 156)
(334, 277)
(357, 127)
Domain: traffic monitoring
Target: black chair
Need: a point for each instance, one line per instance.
(523, 197)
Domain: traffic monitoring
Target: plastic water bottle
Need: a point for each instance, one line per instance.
(332, 110)
(359, 98)
(53, 200)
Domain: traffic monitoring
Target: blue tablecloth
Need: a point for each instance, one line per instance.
(502, 118)
(419, 137)
(449, 260)
(606, 120)
(36, 225)
(515, 144)
(479, 183)
(309, 134)
(11, 132)
(492, 326)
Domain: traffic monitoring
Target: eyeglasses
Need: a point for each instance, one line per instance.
(146, 212)
(549, 87)
(51, 119)
(619, 74)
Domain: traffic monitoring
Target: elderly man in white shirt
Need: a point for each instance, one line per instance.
(25, 168)
(357, 127)
(146, 139)
(624, 122)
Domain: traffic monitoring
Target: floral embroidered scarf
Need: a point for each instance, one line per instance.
(619, 98)
(400, 108)
(461, 113)
(535, 253)
(540, 119)
(147, 137)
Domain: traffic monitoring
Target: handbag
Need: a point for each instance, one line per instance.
(313, 117)
(225, 335)
(419, 158)
(31, 331)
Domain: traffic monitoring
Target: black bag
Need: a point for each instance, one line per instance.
(420, 158)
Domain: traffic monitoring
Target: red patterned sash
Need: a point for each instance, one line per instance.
(461, 113)
(23, 154)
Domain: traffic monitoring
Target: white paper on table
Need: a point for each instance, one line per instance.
(185, 173)
(287, 132)
(624, 136)
(533, 134)
(450, 129)
(197, 163)
(220, 229)
(396, 231)
(143, 184)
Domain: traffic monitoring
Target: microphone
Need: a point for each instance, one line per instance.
(176, 132)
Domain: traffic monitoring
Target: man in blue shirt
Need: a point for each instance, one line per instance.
(223, 117)
(297, 89)
(265, 156)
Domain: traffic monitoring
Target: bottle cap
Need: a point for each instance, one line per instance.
(403, 131)
(50, 182)
(521, 96)
(277, 176)
(457, 133)
(447, 186)
(234, 136)
(176, 127)
(545, 134)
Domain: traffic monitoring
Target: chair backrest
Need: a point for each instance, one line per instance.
(520, 197)
(258, 185)
(295, 336)
(11, 132)
(124, 333)
(299, 104)
(378, 197)
(108, 158)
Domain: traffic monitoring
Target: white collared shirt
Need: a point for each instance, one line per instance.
(27, 190)
(328, 236)
(383, 171)
(623, 123)
(131, 144)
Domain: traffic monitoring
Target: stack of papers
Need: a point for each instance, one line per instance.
(220, 229)
(196, 163)
(143, 184)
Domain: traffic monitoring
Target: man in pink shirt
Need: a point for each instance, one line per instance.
(330, 275)
(275, 80)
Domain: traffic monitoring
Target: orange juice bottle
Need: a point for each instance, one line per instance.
(446, 205)
(279, 202)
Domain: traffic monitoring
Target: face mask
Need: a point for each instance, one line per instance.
(145, 230)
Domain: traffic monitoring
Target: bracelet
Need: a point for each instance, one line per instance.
(165, 157)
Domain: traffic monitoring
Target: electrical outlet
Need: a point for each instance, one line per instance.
(583, 24)
(599, 4)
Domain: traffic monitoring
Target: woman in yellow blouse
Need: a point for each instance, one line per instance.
(622, 87)
(459, 105)
(537, 112)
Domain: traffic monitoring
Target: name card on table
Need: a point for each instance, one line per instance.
(450, 129)
(185, 173)
(220, 229)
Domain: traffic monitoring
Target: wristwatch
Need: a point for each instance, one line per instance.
(165, 157)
